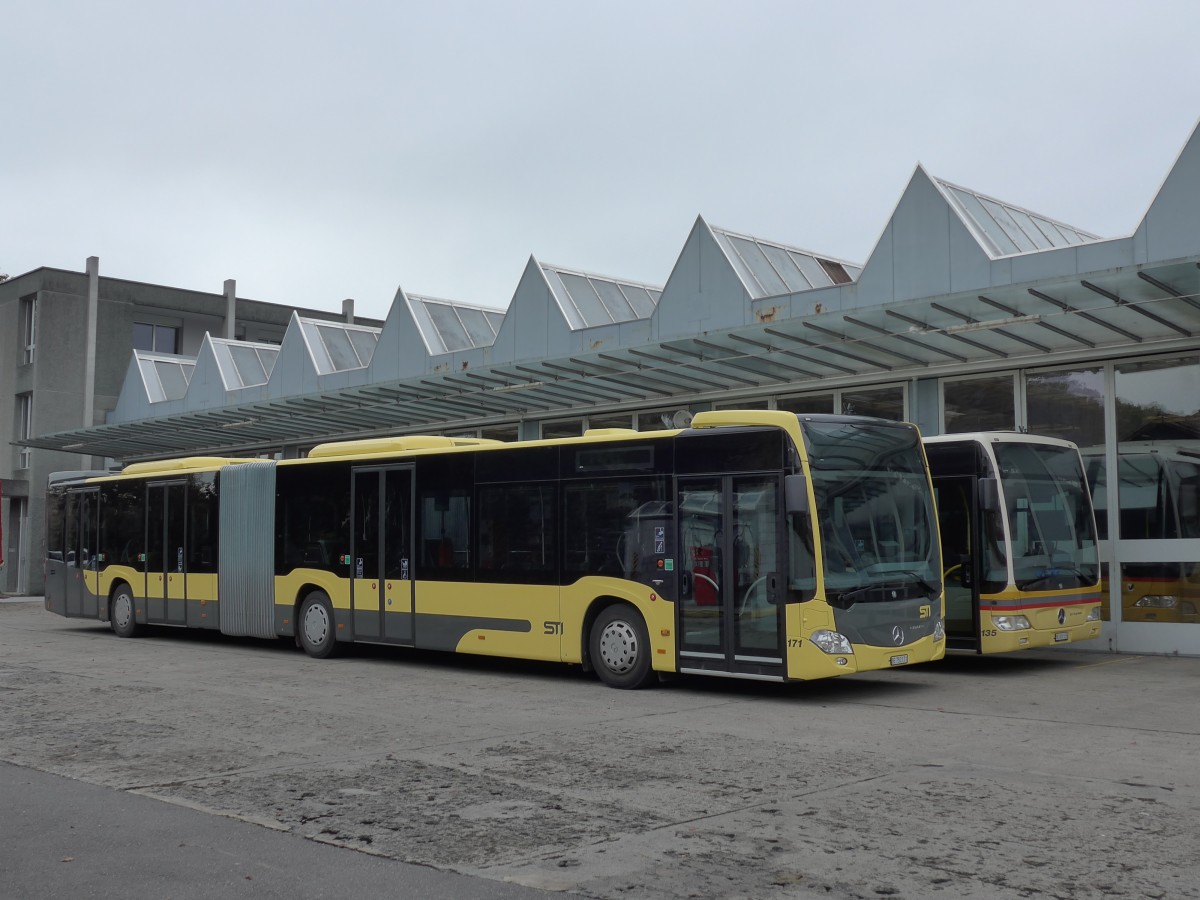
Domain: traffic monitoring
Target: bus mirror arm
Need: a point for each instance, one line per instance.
(795, 493)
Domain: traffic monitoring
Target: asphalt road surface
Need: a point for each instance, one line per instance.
(201, 766)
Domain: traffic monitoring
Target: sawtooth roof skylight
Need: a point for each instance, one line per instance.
(446, 326)
(337, 347)
(1006, 229)
(244, 364)
(165, 377)
(589, 300)
(768, 268)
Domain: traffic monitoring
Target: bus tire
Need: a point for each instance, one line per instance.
(315, 626)
(619, 647)
(122, 615)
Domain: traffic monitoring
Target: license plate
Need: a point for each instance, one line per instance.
(1061, 636)
(900, 660)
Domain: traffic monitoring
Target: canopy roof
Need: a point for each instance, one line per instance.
(959, 283)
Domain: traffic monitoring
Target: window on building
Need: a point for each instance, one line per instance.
(809, 403)
(499, 432)
(24, 427)
(883, 403)
(657, 420)
(29, 327)
(155, 338)
(562, 429)
(1067, 405)
(742, 404)
(979, 404)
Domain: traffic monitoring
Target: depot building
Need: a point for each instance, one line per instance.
(971, 313)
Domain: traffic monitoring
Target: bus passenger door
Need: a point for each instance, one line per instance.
(87, 553)
(166, 587)
(730, 537)
(74, 586)
(382, 554)
(958, 517)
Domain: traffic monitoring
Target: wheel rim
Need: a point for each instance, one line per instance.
(316, 624)
(619, 647)
(122, 610)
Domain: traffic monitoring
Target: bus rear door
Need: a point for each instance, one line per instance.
(166, 564)
(81, 525)
(382, 554)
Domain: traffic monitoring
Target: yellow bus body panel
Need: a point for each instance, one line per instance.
(658, 613)
(528, 606)
(805, 661)
(1042, 612)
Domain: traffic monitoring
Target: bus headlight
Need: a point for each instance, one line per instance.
(1010, 623)
(939, 630)
(831, 642)
(1157, 601)
(1094, 615)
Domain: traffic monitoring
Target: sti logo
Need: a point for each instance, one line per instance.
(926, 611)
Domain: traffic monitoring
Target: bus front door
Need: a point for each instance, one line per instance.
(729, 580)
(958, 518)
(382, 554)
(166, 565)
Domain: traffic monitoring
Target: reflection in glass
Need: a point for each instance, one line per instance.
(884, 403)
(1167, 592)
(979, 404)
(1049, 517)
(874, 511)
(1158, 429)
(809, 403)
(1068, 405)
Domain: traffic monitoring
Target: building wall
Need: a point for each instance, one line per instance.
(57, 376)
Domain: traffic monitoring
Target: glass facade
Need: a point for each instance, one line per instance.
(1068, 405)
(979, 404)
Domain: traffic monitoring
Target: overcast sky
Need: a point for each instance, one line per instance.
(315, 151)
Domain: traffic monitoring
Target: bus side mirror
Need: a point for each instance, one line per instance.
(795, 493)
(989, 494)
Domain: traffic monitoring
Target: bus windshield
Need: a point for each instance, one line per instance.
(874, 511)
(1049, 517)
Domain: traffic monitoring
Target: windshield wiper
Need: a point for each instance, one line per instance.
(921, 581)
(1054, 571)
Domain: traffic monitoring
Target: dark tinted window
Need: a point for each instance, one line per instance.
(312, 512)
(122, 521)
(619, 527)
(55, 541)
(203, 522)
(517, 464)
(445, 487)
(517, 533)
(740, 450)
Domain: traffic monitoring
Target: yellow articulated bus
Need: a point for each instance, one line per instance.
(1018, 537)
(753, 544)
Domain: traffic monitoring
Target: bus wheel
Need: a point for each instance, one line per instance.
(619, 647)
(317, 633)
(121, 617)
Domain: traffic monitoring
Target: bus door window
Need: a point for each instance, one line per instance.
(397, 547)
(166, 565)
(74, 567)
(756, 571)
(701, 532)
(89, 512)
(955, 504)
(364, 556)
